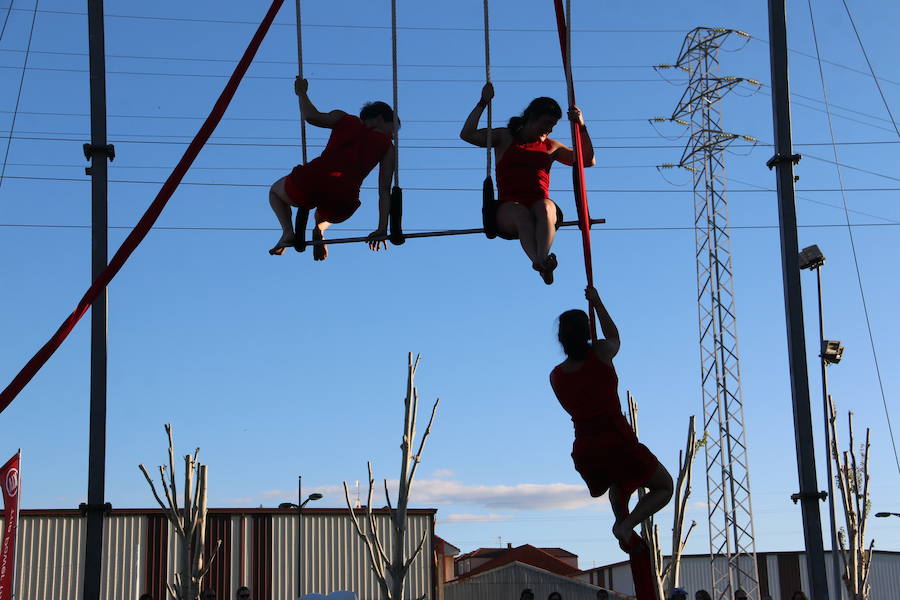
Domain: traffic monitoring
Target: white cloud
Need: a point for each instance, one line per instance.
(443, 474)
(471, 518)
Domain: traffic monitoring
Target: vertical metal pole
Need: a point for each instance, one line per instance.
(98, 154)
(835, 559)
(790, 264)
(299, 535)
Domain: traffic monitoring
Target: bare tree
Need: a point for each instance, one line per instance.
(668, 574)
(391, 568)
(188, 521)
(853, 480)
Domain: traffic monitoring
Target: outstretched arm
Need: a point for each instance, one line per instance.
(566, 155)
(385, 174)
(470, 132)
(608, 347)
(309, 111)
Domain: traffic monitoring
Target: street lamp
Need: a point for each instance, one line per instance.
(887, 514)
(830, 353)
(299, 506)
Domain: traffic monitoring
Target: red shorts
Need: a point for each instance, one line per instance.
(613, 456)
(332, 205)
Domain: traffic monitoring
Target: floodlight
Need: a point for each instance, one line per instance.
(811, 258)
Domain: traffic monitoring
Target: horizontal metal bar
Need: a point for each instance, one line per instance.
(425, 234)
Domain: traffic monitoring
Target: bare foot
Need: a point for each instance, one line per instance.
(286, 241)
(320, 251)
(623, 534)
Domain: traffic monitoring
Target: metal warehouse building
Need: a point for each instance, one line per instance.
(259, 550)
(780, 574)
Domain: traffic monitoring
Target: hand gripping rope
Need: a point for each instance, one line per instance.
(147, 220)
(584, 217)
(488, 206)
(396, 213)
(302, 217)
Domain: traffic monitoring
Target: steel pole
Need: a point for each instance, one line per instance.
(97, 152)
(783, 162)
(835, 559)
(299, 535)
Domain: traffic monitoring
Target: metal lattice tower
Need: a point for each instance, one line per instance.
(731, 538)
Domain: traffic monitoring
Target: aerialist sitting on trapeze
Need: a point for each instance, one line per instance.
(606, 451)
(524, 156)
(330, 183)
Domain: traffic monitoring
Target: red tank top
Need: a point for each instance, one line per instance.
(352, 152)
(589, 394)
(523, 172)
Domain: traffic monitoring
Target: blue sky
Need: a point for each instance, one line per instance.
(278, 366)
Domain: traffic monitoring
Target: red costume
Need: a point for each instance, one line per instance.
(331, 181)
(605, 450)
(523, 172)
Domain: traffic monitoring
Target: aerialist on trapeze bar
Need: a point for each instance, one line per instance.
(524, 154)
(330, 183)
(606, 451)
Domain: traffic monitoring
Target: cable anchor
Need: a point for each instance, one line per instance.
(780, 159)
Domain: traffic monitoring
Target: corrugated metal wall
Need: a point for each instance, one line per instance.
(50, 559)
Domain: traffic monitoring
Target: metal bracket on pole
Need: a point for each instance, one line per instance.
(780, 159)
(85, 508)
(107, 150)
(823, 495)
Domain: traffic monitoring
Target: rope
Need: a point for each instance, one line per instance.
(578, 167)
(300, 74)
(877, 83)
(143, 227)
(862, 294)
(487, 79)
(12, 126)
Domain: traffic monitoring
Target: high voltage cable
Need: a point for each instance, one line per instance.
(356, 229)
(880, 91)
(342, 26)
(286, 78)
(6, 19)
(462, 189)
(19, 93)
(887, 413)
(460, 147)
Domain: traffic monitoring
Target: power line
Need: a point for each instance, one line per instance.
(343, 26)
(880, 91)
(365, 230)
(462, 189)
(21, 84)
(290, 78)
(6, 19)
(840, 177)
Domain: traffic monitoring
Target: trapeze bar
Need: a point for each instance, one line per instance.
(426, 234)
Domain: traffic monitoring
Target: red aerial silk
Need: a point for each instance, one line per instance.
(150, 216)
(581, 202)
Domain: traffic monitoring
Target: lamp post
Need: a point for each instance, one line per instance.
(299, 506)
(830, 353)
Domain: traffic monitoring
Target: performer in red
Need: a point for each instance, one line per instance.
(524, 154)
(606, 452)
(330, 183)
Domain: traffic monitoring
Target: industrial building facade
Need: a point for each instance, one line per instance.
(259, 549)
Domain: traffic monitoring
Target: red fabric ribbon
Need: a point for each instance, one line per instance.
(150, 216)
(581, 201)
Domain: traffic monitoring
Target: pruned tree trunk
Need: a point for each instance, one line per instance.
(668, 574)
(188, 521)
(391, 569)
(853, 481)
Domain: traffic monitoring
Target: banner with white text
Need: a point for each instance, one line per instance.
(9, 481)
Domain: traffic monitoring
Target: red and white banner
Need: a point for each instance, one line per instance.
(9, 481)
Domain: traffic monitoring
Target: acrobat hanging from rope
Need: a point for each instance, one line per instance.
(606, 451)
(330, 183)
(525, 153)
